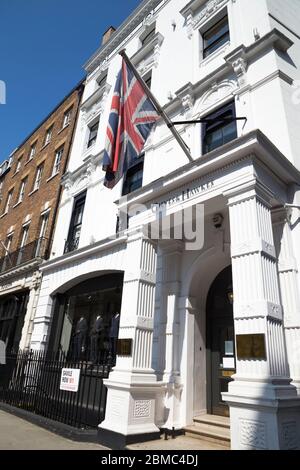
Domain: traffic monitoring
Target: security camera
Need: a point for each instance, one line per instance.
(218, 220)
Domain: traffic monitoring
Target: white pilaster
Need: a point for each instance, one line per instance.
(288, 277)
(264, 409)
(171, 254)
(132, 385)
(34, 292)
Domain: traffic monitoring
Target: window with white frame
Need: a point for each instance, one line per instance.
(57, 161)
(23, 242)
(148, 35)
(8, 201)
(18, 165)
(219, 128)
(41, 242)
(32, 151)
(48, 135)
(6, 248)
(102, 80)
(24, 235)
(22, 190)
(8, 243)
(93, 132)
(215, 36)
(67, 118)
(38, 177)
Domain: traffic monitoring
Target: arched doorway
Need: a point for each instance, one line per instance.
(219, 341)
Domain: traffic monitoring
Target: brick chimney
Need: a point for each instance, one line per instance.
(107, 35)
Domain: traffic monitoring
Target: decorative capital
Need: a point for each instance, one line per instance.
(186, 96)
(36, 280)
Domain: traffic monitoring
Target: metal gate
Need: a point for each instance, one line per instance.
(31, 381)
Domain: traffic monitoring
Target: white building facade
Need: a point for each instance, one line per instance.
(214, 322)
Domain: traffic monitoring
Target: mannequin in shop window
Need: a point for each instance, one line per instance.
(113, 334)
(97, 332)
(79, 339)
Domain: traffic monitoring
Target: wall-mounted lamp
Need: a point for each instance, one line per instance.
(229, 293)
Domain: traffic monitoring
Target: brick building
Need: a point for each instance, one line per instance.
(29, 196)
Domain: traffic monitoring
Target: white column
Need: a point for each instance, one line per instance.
(171, 253)
(288, 277)
(132, 385)
(264, 409)
(187, 312)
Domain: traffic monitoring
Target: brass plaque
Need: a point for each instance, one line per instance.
(228, 373)
(251, 347)
(124, 347)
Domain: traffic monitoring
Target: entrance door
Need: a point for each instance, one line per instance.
(220, 342)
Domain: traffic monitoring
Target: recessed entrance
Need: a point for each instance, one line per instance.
(220, 342)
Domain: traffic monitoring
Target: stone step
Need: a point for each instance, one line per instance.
(209, 432)
(220, 421)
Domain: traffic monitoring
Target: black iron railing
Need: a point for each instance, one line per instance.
(32, 381)
(71, 245)
(35, 249)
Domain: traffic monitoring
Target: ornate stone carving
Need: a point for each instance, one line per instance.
(80, 178)
(217, 92)
(253, 434)
(193, 21)
(149, 18)
(148, 57)
(186, 97)
(142, 409)
(289, 434)
(240, 69)
(36, 280)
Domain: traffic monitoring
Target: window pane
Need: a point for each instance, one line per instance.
(218, 131)
(215, 37)
(134, 178)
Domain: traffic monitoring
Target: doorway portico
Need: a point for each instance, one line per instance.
(199, 310)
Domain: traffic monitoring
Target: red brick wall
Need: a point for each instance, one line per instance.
(49, 191)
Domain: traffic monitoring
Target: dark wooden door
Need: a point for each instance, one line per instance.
(220, 342)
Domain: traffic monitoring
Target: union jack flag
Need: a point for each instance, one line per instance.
(131, 118)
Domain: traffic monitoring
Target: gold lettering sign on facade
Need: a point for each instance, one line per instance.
(124, 347)
(228, 373)
(251, 347)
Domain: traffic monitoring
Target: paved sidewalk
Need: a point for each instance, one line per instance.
(18, 434)
(179, 443)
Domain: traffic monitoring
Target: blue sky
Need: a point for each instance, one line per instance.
(43, 46)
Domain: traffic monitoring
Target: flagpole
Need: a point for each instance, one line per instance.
(159, 109)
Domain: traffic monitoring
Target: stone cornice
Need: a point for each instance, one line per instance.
(254, 144)
(126, 28)
(96, 96)
(22, 269)
(85, 171)
(157, 40)
(274, 38)
(84, 252)
(237, 60)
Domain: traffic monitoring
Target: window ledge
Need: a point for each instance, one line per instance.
(215, 54)
(15, 173)
(45, 145)
(63, 128)
(18, 203)
(52, 176)
(34, 191)
(3, 215)
(28, 161)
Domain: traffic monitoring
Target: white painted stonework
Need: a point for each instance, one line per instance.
(249, 181)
